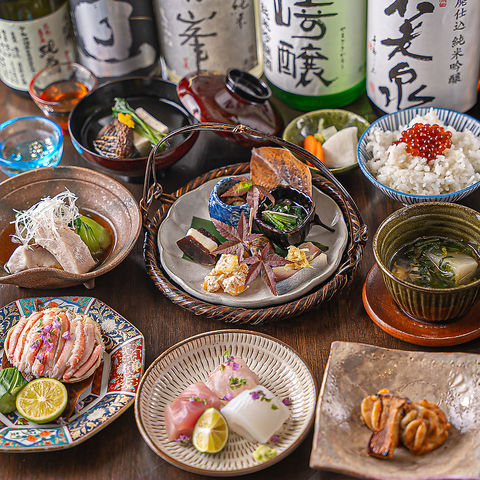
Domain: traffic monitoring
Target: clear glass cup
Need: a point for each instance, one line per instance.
(28, 143)
(58, 88)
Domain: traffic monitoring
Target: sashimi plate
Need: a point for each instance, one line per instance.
(280, 370)
(190, 275)
(112, 391)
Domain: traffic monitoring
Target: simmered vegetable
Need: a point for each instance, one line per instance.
(436, 263)
(93, 234)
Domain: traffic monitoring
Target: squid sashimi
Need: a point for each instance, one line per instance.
(182, 414)
(256, 414)
(56, 343)
(231, 378)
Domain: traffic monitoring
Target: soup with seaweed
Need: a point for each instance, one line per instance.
(436, 262)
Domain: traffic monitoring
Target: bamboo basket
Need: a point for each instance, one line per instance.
(325, 182)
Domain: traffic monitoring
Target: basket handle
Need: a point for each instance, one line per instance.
(155, 190)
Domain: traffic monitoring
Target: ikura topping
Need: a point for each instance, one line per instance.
(427, 141)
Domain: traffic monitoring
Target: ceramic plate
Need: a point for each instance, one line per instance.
(355, 370)
(190, 275)
(280, 370)
(111, 392)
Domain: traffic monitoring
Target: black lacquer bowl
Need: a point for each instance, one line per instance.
(158, 97)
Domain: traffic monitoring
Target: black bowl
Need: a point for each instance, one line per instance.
(157, 96)
(292, 237)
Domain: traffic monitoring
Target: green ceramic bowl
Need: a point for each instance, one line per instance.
(307, 124)
(426, 220)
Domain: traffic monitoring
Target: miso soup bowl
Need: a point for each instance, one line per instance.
(436, 219)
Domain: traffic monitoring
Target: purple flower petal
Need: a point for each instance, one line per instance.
(254, 395)
(228, 397)
(274, 438)
(66, 335)
(56, 323)
(235, 366)
(286, 401)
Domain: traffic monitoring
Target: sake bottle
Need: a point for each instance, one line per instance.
(33, 34)
(211, 35)
(314, 51)
(423, 53)
(116, 38)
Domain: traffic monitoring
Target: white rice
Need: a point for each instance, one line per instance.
(458, 168)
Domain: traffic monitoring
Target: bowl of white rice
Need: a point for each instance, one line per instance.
(409, 179)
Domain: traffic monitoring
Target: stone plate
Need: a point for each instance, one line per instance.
(356, 370)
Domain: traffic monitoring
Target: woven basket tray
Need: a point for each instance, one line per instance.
(357, 236)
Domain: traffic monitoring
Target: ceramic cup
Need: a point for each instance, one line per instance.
(219, 210)
(406, 225)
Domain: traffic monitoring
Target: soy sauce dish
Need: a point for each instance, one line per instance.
(436, 226)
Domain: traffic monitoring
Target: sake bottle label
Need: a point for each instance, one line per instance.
(28, 46)
(423, 53)
(116, 38)
(313, 47)
(210, 35)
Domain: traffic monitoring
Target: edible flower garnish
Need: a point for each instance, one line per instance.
(286, 401)
(183, 440)
(227, 397)
(78, 406)
(229, 361)
(274, 438)
(66, 335)
(236, 382)
(193, 399)
(61, 421)
(259, 395)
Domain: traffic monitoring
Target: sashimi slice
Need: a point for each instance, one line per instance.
(182, 414)
(256, 414)
(231, 378)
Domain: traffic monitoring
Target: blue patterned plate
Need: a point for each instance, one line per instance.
(111, 392)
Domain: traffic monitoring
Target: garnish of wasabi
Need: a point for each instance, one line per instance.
(264, 453)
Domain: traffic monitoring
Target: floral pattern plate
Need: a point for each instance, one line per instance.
(279, 369)
(190, 275)
(111, 392)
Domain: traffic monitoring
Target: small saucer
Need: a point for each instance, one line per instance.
(383, 310)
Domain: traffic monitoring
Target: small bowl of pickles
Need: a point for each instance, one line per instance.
(429, 258)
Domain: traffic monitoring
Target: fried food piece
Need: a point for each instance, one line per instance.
(386, 436)
(371, 409)
(227, 275)
(424, 428)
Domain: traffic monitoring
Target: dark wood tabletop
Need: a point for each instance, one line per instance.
(119, 451)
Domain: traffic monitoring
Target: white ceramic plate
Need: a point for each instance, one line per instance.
(356, 370)
(279, 368)
(190, 275)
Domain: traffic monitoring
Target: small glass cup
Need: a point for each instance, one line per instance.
(58, 88)
(28, 143)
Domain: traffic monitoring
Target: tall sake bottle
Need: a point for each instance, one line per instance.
(33, 34)
(423, 53)
(314, 51)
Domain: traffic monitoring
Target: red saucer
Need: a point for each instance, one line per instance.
(383, 310)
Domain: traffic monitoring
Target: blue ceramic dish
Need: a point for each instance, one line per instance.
(219, 210)
(459, 121)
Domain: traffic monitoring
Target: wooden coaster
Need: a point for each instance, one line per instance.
(383, 310)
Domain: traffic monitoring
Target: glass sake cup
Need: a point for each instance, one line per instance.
(58, 88)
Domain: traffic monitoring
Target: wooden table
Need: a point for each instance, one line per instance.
(119, 451)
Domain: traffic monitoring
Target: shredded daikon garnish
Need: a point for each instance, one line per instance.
(53, 213)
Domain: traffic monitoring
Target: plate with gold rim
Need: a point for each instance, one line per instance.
(113, 388)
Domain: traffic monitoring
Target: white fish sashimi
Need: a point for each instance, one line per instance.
(256, 414)
(231, 378)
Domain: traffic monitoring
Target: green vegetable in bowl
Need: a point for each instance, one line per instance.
(284, 216)
(93, 234)
(11, 382)
(141, 127)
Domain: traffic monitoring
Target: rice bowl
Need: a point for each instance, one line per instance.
(411, 179)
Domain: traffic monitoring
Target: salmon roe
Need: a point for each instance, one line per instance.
(427, 141)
